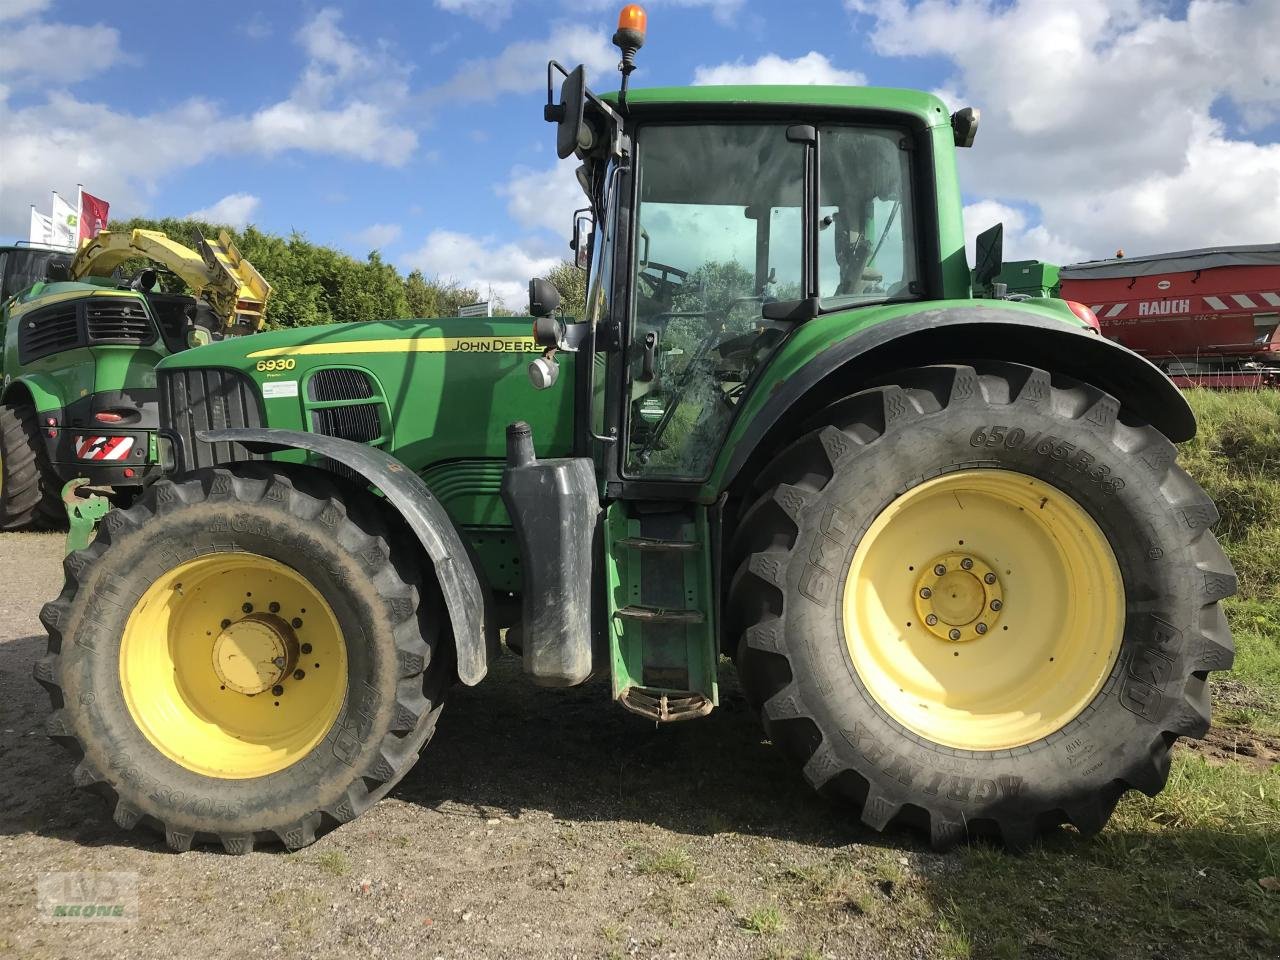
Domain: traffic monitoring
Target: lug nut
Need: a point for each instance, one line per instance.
(299, 674)
(297, 622)
(277, 690)
(273, 607)
(931, 620)
(966, 563)
(940, 569)
(981, 628)
(247, 607)
(225, 624)
(990, 578)
(305, 648)
(996, 604)
(925, 593)
(954, 634)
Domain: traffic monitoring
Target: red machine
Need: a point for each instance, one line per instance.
(1208, 318)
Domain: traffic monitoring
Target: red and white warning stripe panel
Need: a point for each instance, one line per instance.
(1227, 303)
(103, 448)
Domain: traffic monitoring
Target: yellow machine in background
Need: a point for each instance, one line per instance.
(216, 272)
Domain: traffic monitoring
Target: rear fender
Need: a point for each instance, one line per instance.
(466, 593)
(959, 335)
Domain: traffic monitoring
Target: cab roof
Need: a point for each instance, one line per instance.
(923, 105)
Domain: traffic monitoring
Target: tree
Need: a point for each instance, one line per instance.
(571, 283)
(313, 284)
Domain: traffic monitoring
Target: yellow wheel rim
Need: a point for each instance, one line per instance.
(984, 609)
(233, 665)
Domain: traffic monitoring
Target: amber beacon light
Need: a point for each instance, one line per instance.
(632, 23)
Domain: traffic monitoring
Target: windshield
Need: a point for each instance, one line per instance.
(23, 269)
(720, 234)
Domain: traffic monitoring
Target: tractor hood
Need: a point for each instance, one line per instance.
(437, 394)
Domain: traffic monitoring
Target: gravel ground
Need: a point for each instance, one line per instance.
(538, 824)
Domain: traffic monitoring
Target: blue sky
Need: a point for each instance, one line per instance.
(416, 126)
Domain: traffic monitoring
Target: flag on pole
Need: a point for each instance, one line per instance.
(66, 223)
(93, 216)
(41, 228)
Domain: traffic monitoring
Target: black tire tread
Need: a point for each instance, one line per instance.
(766, 533)
(419, 692)
(31, 496)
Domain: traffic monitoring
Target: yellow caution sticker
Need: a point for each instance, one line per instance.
(406, 345)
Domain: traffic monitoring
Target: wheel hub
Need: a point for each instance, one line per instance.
(958, 597)
(254, 654)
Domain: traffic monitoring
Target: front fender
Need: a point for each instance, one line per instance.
(46, 392)
(466, 594)
(956, 334)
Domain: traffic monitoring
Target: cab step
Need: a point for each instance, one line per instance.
(662, 633)
(660, 615)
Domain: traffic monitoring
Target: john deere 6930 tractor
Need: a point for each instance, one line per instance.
(945, 540)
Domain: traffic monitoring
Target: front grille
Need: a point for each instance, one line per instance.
(358, 422)
(208, 398)
(335, 383)
(49, 330)
(118, 320)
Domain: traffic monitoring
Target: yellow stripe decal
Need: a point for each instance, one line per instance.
(406, 345)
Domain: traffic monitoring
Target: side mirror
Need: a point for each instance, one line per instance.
(569, 114)
(544, 298)
(989, 254)
(583, 224)
(964, 126)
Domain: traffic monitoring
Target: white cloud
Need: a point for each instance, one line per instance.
(347, 102)
(1100, 112)
(17, 9)
(234, 210)
(377, 236)
(257, 27)
(490, 12)
(522, 66)
(38, 54)
(1021, 241)
(480, 262)
(813, 67)
(544, 198)
(365, 131)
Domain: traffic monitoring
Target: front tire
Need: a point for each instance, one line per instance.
(29, 491)
(239, 660)
(981, 601)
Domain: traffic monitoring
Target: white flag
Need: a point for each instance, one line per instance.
(41, 228)
(66, 223)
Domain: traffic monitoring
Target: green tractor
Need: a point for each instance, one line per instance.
(945, 540)
(82, 335)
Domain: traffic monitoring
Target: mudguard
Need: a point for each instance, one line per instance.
(466, 594)
(959, 335)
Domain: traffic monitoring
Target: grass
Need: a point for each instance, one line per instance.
(674, 862)
(1181, 868)
(1235, 456)
(334, 862)
(763, 921)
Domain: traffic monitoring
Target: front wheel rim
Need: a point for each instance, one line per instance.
(984, 609)
(233, 665)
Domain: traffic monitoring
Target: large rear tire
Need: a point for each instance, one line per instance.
(239, 660)
(29, 491)
(981, 601)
